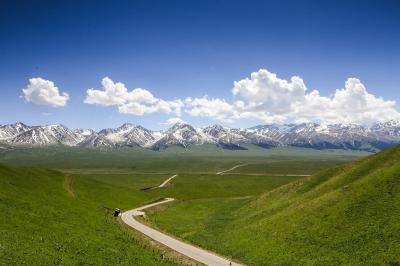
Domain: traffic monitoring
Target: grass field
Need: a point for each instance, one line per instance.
(57, 216)
(204, 158)
(44, 223)
(347, 214)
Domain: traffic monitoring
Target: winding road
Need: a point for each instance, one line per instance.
(167, 181)
(193, 252)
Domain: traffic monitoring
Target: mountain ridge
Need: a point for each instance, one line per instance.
(309, 135)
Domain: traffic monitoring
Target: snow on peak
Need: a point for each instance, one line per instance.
(313, 135)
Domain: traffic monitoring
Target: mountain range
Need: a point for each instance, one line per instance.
(309, 135)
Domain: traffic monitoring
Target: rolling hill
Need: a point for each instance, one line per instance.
(346, 215)
(46, 219)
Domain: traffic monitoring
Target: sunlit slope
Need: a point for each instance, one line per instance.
(345, 215)
(46, 219)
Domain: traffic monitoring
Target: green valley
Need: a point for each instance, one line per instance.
(343, 215)
(56, 205)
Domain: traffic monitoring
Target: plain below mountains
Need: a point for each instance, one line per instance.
(309, 135)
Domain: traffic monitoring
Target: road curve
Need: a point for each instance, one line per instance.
(188, 250)
(167, 181)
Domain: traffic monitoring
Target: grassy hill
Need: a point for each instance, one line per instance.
(348, 214)
(47, 219)
(51, 217)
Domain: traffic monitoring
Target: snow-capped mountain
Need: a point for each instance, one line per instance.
(83, 134)
(46, 135)
(336, 136)
(12, 130)
(224, 135)
(389, 128)
(310, 135)
(129, 135)
(96, 140)
(231, 138)
(180, 134)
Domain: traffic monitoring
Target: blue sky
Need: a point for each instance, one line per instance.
(180, 49)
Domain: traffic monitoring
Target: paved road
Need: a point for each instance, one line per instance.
(167, 181)
(188, 250)
(233, 168)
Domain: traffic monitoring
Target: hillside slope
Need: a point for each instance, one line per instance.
(345, 215)
(48, 219)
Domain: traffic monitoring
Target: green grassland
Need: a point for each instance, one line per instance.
(57, 216)
(44, 223)
(204, 158)
(348, 214)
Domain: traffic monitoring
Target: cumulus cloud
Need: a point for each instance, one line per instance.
(214, 108)
(160, 106)
(267, 98)
(262, 97)
(44, 92)
(265, 91)
(117, 94)
(173, 121)
(136, 102)
(355, 103)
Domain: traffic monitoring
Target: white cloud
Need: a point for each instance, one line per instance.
(44, 92)
(173, 121)
(136, 102)
(261, 97)
(214, 108)
(267, 98)
(264, 91)
(117, 94)
(160, 106)
(355, 104)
